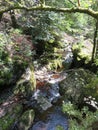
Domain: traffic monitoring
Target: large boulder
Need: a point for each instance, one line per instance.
(39, 102)
(74, 86)
(12, 116)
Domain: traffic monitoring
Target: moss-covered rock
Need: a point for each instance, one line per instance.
(74, 86)
(26, 83)
(12, 114)
(26, 120)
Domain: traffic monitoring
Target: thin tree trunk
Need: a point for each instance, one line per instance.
(78, 2)
(1, 17)
(95, 42)
(13, 19)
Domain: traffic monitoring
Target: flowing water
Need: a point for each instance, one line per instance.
(51, 120)
(49, 117)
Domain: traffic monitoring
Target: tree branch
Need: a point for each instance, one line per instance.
(90, 12)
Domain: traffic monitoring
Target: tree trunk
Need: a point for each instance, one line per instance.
(78, 2)
(95, 42)
(13, 19)
(1, 17)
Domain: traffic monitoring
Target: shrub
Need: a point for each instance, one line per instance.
(80, 120)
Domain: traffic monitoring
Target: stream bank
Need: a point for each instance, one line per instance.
(51, 93)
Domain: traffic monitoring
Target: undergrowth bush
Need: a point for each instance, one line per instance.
(80, 119)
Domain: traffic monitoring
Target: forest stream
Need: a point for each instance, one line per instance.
(48, 65)
(47, 99)
(51, 116)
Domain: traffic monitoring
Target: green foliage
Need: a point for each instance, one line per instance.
(47, 38)
(92, 89)
(59, 127)
(70, 110)
(55, 64)
(26, 119)
(7, 120)
(3, 51)
(44, 26)
(77, 47)
(15, 56)
(16, 31)
(94, 4)
(82, 52)
(77, 121)
(96, 61)
(5, 61)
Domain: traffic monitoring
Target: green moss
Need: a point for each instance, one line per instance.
(24, 86)
(55, 64)
(7, 121)
(32, 78)
(59, 127)
(26, 119)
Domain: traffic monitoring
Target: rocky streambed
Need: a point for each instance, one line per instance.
(43, 109)
(35, 102)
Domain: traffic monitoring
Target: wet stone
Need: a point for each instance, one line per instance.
(39, 102)
(43, 103)
(42, 99)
